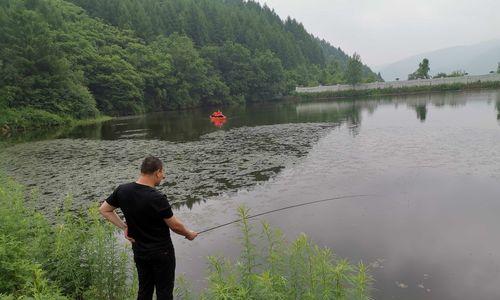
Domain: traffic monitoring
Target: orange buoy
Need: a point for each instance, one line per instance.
(217, 114)
(218, 118)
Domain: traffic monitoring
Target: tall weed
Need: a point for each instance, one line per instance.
(271, 268)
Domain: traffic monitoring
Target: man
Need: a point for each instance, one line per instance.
(149, 218)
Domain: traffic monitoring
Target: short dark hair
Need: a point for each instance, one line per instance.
(151, 164)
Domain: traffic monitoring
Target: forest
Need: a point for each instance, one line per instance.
(81, 59)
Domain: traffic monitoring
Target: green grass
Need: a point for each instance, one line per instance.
(78, 256)
(396, 91)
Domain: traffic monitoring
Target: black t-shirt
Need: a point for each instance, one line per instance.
(144, 208)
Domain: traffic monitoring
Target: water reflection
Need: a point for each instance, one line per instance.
(255, 144)
(498, 109)
(218, 122)
(189, 125)
(421, 112)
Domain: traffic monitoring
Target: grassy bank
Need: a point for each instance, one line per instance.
(78, 256)
(23, 119)
(396, 91)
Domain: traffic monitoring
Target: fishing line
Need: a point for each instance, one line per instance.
(282, 208)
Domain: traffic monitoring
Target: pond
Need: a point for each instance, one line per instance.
(427, 165)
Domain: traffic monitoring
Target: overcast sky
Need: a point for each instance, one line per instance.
(384, 31)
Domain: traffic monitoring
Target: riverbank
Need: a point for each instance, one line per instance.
(392, 91)
(79, 255)
(24, 119)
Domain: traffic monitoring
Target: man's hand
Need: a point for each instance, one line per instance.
(191, 235)
(125, 232)
(178, 227)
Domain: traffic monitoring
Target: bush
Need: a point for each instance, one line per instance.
(27, 118)
(78, 256)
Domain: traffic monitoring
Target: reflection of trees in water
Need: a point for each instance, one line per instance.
(498, 110)
(353, 118)
(191, 124)
(451, 99)
(348, 112)
(498, 105)
(421, 110)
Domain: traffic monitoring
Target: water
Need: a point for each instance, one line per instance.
(430, 163)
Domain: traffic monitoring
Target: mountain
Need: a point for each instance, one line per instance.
(474, 59)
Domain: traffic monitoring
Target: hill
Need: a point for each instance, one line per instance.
(65, 60)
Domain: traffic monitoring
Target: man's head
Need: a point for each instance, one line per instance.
(152, 167)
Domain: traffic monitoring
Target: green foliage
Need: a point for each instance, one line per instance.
(254, 76)
(354, 69)
(440, 75)
(116, 85)
(280, 270)
(77, 256)
(498, 68)
(34, 71)
(21, 242)
(422, 72)
(457, 73)
(89, 57)
(23, 118)
(193, 82)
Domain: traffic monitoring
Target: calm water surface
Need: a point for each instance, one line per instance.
(430, 162)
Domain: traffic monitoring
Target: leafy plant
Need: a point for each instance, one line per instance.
(271, 268)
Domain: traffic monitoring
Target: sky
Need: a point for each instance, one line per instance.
(385, 31)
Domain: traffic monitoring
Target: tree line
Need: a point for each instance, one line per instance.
(120, 57)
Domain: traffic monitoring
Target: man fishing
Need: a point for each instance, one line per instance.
(148, 218)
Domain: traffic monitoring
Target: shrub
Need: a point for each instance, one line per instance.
(78, 256)
(27, 118)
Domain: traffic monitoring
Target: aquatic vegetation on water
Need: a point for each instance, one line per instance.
(221, 161)
(80, 257)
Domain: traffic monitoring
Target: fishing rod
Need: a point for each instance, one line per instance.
(282, 208)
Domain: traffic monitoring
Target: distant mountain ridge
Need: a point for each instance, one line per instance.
(476, 59)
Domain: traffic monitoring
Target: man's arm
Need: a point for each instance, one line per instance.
(178, 227)
(108, 212)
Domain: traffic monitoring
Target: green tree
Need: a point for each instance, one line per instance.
(34, 71)
(268, 78)
(440, 75)
(233, 61)
(422, 72)
(354, 69)
(194, 83)
(155, 66)
(116, 85)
